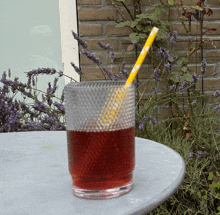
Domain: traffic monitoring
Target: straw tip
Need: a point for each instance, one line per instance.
(156, 29)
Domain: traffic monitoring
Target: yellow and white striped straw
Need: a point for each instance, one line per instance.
(142, 55)
(109, 113)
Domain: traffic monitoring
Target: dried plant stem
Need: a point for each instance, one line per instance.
(122, 15)
(187, 31)
(127, 10)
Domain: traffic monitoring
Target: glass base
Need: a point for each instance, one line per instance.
(103, 194)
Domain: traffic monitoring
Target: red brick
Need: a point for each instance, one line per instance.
(92, 74)
(129, 58)
(111, 30)
(88, 2)
(213, 56)
(213, 2)
(129, 2)
(211, 43)
(213, 25)
(195, 29)
(96, 14)
(90, 30)
(210, 70)
(214, 16)
(209, 84)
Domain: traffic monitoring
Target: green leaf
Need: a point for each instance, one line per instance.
(143, 36)
(171, 2)
(197, 8)
(123, 24)
(184, 68)
(199, 194)
(153, 17)
(179, 61)
(171, 58)
(167, 23)
(161, 33)
(143, 16)
(134, 23)
(134, 37)
(148, 29)
(162, 44)
(205, 197)
(139, 27)
(173, 76)
(185, 59)
(177, 54)
(210, 176)
(186, 77)
(121, 0)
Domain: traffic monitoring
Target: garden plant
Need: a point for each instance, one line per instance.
(176, 114)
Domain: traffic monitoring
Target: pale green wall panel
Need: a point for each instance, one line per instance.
(30, 38)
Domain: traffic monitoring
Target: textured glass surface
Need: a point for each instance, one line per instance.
(99, 106)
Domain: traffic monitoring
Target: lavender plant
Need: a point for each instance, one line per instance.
(200, 149)
(187, 127)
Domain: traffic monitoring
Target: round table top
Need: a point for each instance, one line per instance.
(35, 178)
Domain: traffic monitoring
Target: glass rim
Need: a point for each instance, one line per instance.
(84, 84)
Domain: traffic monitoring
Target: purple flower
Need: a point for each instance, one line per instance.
(195, 78)
(52, 128)
(184, 85)
(173, 39)
(156, 74)
(173, 87)
(178, 77)
(154, 90)
(145, 118)
(112, 54)
(160, 51)
(167, 36)
(47, 71)
(60, 74)
(109, 73)
(168, 67)
(165, 107)
(125, 73)
(163, 54)
(194, 102)
(217, 93)
(59, 106)
(91, 56)
(106, 47)
(203, 67)
(190, 37)
(190, 155)
(141, 126)
(217, 108)
(137, 120)
(77, 69)
(199, 153)
(81, 42)
(116, 77)
(153, 120)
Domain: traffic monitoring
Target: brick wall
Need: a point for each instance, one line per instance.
(96, 23)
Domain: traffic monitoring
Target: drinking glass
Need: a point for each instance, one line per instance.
(100, 123)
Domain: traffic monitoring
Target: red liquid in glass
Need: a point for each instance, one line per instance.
(101, 160)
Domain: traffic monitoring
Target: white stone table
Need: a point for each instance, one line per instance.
(34, 177)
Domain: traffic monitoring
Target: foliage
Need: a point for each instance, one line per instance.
(188, 123)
